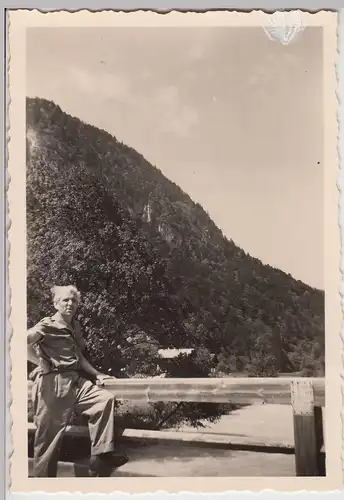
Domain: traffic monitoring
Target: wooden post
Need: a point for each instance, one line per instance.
(307, 429)
(319, 435)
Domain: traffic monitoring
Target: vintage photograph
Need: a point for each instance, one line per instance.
(175, 251)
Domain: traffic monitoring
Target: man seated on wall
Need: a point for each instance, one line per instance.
(55, 345)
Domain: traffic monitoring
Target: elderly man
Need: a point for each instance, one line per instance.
(55, 344)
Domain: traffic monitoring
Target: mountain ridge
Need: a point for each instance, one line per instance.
(215, 284)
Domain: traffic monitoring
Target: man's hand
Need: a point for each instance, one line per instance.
(101, 377)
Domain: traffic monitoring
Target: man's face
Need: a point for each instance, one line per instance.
(67, 304)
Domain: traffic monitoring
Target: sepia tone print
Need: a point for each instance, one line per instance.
(175, 260)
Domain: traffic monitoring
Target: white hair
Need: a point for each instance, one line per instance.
(59, 291)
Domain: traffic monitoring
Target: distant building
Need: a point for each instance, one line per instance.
(173, 353)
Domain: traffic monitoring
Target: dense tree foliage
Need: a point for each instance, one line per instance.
(153, 268)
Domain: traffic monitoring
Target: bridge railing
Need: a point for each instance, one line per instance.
(305, 395)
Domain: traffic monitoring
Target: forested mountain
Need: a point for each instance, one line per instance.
(153, 268)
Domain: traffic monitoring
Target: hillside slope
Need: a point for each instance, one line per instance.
(149, 259)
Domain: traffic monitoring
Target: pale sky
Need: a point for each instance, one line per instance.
(231, 117)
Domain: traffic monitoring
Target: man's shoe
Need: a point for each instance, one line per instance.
(116, 460)
(102, 465)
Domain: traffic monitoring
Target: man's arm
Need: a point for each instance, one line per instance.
(33, 336)
(81, 345)
(32, 355)
(87, 367)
